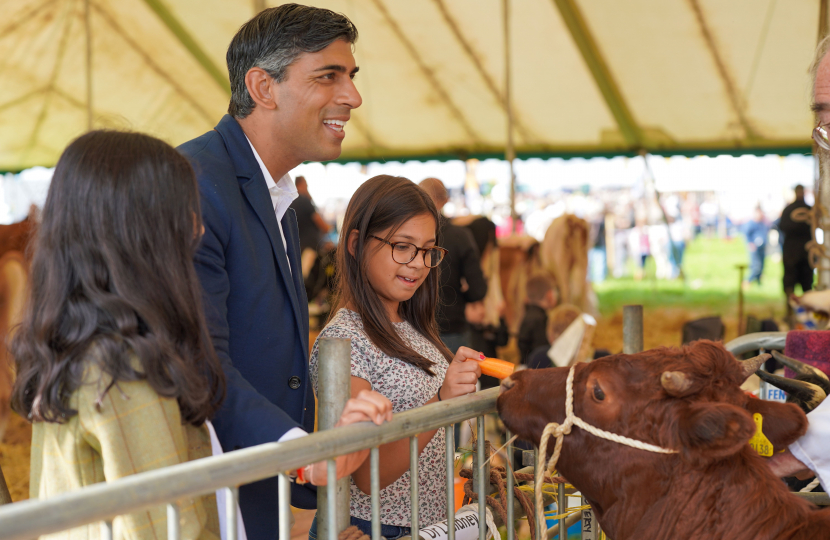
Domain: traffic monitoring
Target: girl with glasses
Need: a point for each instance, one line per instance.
(386, 300)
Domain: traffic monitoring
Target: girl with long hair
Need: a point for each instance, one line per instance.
(387, 294)
(115, 366)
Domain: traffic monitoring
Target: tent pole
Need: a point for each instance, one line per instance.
(88, 32)
(675, 251)
(509, 151)
(822, 202)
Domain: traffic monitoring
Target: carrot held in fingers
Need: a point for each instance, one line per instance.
(494, 367)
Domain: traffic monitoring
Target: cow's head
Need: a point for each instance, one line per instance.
(686, 399)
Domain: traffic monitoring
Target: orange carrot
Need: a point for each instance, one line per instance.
(494, 367)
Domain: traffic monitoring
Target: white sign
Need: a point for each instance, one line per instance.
(590, 527)
(466, 528)
(770, 393)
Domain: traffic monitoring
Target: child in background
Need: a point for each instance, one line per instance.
(541, 298)
(386, 299)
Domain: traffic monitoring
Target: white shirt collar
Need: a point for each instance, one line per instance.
(283, 192)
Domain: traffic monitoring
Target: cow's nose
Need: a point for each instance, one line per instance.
(506, 384)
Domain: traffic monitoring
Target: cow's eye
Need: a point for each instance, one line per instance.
(599, 395)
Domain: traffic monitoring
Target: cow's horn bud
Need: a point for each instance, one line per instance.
(754, 364)
(676, 383)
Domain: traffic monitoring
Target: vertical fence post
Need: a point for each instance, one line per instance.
(510, 509)
(561, 508)
(106, 530)
(231, 514)
(632, 329)
(334, 389)
(481, 477)
(537, 523)
(449, 433)
(414, 484)
(173, 521)
(374, 456)
(284, 506)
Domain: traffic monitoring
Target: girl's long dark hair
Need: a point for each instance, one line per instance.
(386, 202)
(112, 265)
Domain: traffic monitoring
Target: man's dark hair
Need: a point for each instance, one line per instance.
(274, 39)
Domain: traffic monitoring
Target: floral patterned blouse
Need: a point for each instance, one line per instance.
(407, 387)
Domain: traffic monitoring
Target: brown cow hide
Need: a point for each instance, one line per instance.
(564, 254)
(13, 288)
(715, 487)
(14, 241)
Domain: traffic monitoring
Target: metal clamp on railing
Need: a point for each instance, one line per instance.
(770, 341)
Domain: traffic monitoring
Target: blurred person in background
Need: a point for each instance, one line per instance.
(310, 225)
(756, 231)
(462, 280)
(640, 248)
(622, 249)
(597, 256)
(677, 234)
(541, 298)
(488, 327)
(796, 234)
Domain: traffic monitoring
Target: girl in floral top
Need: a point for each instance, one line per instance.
(386, 300)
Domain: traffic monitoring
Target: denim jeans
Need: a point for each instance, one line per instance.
(390, 532)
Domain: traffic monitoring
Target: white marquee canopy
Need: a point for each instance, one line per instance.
(589, 77)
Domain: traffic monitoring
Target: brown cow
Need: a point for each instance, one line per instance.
(564, 254)
(14, 240)
(689, 400)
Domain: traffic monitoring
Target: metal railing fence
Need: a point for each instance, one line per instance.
(770, 341)
(103, 502)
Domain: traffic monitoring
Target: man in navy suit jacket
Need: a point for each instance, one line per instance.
(291, 71)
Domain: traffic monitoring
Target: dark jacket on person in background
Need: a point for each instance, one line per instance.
(533, 331)
(310, 235)
(796, 234)
(462, 261)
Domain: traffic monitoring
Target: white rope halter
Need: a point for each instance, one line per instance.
(560, 430)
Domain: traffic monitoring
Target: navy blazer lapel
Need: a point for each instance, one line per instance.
(253, 185)
(292, 235)
(258, 196)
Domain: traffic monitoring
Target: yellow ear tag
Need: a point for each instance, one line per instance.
(759, 442)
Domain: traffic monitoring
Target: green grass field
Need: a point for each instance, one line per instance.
(711, 282)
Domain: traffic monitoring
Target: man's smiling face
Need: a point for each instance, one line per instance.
(314, 102)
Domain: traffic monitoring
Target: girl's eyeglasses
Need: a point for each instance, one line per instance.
(405, 253)
(820, 135)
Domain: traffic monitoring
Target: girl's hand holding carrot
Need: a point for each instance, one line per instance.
(462, 374)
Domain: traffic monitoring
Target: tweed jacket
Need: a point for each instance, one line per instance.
(128, 430)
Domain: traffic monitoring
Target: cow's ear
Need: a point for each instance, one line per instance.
(783, 423)
(715, 430)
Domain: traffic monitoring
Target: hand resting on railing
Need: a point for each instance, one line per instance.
(368, 406)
